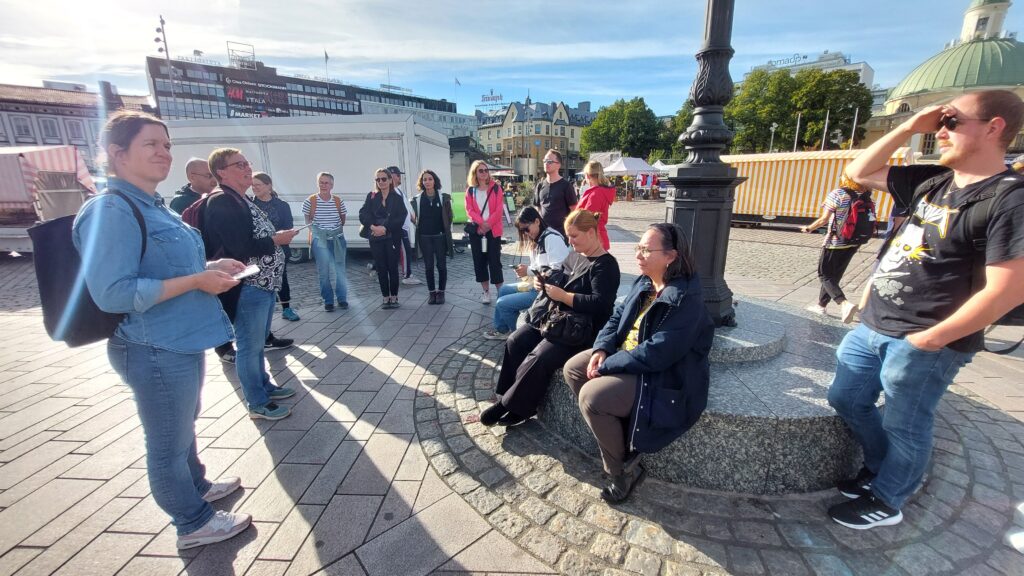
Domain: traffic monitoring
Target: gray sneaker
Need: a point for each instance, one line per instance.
(281, 393)
(222, 487)
(222, 526)
(270, 411)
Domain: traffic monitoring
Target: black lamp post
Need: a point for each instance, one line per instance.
(703, 188)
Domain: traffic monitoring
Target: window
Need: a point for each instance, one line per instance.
(536, 128)
(547, 144)
(75, 129)
(3, 132)
(22, 128)
(903, 108)
(928, 143)
(547, 129)
(572, 132)
(498, 147)
(563, 131)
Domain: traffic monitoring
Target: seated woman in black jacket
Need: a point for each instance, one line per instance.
(646, 380)
(585, 283)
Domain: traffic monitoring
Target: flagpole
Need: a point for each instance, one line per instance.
(327, 74)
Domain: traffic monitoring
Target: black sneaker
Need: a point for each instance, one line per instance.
(343, 305)
(857, 486)
(864, 513)
(329, 307)
(275, 343)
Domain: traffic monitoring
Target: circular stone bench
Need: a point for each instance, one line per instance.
(768, 428)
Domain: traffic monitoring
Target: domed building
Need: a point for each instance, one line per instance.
(984, 57)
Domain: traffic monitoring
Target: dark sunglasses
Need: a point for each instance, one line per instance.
(951, 122)
(384, 179)
(483, 169)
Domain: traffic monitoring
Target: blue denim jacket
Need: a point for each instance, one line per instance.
(109, 240)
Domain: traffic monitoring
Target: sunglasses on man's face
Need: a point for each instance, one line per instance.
(952, 122)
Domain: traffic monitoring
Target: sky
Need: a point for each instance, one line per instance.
(570, 51)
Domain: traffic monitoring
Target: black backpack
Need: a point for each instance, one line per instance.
(69, 312)
(859, 225)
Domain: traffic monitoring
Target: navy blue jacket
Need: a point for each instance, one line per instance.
(671, 359)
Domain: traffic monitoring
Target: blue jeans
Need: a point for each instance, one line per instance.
(897, 441)
(252, 324)
(166, 387)
(509, 304)
(330, 256)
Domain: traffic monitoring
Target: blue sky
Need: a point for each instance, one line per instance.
(571, 51)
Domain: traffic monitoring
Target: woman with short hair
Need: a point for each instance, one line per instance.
(645, 381)
(280, 213)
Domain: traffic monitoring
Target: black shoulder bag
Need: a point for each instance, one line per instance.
(471, 227)
(568, 327)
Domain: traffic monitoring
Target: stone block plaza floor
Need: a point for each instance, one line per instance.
(381, 469)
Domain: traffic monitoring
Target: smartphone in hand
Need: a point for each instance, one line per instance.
(250, 270)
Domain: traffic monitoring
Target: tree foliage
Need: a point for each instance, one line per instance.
(776, 97)
(629, 126)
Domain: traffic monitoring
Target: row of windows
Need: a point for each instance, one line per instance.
(189, 108)
(529, 146)
(196, 88)
(313, 102)
(49, 129)
(559, 131)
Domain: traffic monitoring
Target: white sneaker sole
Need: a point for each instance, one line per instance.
(258, 416)
(890, 521)
(195, 542)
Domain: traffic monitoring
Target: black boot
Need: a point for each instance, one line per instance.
(622, 484)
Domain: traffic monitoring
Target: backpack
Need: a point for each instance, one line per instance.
(978, 218)
(193, 215)
(70, 314)
(312, 205)
(859, 225)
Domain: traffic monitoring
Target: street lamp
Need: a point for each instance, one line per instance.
(162, 39)
(853, 129)
(771, 143)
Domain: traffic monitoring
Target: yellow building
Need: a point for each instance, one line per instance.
(984, 57)
(520, 134)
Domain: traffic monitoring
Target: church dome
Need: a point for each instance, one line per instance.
(980, 63)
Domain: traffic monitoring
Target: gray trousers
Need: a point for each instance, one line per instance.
(606, 403)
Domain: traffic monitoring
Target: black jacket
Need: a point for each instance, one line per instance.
(671, 359)
(183, 198)
(375, 213)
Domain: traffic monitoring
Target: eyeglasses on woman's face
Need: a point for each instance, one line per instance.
(645, 252)
(483, 170)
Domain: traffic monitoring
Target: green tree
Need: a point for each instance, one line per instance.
(629, 126)
(762, 99)
(837, 94)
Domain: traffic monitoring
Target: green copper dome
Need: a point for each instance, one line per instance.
(992, 62)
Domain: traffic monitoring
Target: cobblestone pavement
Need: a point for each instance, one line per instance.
(382, 471)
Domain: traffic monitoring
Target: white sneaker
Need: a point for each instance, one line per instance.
(495, 335)
(410, 281)
(222, 526)
(816, 309)
(848, 310)
(485, 298)
(222, 487)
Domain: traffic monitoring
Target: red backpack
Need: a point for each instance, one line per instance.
(859, 225)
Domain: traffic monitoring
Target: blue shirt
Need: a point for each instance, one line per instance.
(108, 238)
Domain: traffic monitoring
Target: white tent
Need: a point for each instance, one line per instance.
(627, 166)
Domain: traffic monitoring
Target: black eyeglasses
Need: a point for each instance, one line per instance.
(951, 122)
(243, 164)
(384, 179)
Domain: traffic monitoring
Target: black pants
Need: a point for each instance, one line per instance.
(385, 261)
(486, 265)
(831, 267)
(409, 254)
(527, 367)
(434, 253)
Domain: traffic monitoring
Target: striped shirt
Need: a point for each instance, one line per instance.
(838, 203)
(326, 216)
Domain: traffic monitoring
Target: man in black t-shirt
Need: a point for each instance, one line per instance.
(554, 195)
(926, 309)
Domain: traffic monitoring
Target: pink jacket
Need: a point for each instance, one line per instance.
(495, 206)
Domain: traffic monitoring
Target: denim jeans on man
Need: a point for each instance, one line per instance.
(330, 257)
(166, 386)
(252, 324)
(509, 304)
(897, 440)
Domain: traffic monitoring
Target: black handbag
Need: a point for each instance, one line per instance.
(567, 327)
(364, 231)
(471, 227)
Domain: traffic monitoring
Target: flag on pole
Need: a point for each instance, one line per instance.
(325, 56)
(457, 83)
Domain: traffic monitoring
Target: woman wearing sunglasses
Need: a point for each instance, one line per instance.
(645, 382)
(598, 195)
(485, 207)
(382, 217)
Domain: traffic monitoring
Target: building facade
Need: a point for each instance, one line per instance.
(518, 135)
(204, 89)
(826, 62)
(61, 114)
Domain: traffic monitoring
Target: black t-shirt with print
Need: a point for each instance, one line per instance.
(926, 273)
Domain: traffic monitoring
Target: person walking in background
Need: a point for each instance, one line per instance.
(484, 207)
(660, 335)
(200, 183)
(554, 196)
(236, 228)
(280, 213)
(382, 217)
(597, 196)
(849, 201)
(327, 213)
(167, 292)
(547, 249)
(433, 217)
(406, 253)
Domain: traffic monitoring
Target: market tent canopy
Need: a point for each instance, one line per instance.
(627, 166)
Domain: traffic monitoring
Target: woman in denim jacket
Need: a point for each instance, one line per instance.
(645, 382)
(172, 315)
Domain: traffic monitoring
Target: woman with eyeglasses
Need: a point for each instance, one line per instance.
(584, 285)
(485, 207)
(597, 196)
(382, 216)
(645, 381)
(167, 291)
(547, 249)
